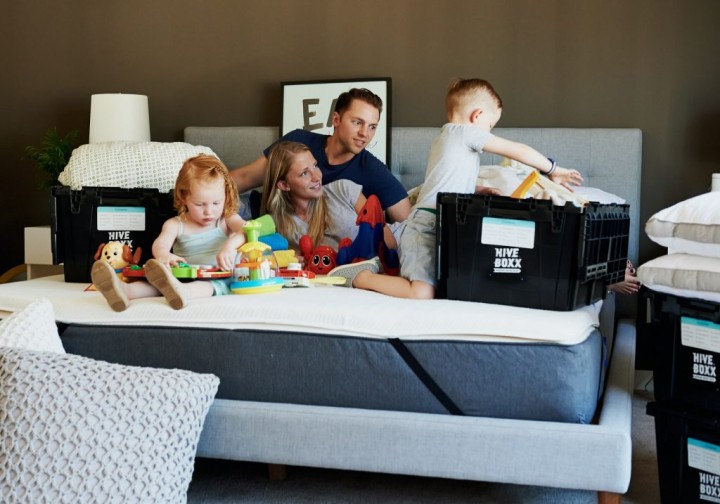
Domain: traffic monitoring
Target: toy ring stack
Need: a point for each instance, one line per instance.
(259, 286)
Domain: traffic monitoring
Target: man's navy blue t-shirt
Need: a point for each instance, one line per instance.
(364, 169)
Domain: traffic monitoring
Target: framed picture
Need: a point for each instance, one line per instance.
(309, 105)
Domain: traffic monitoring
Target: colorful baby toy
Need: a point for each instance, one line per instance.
(321, 259)
(369, 241)
(255, 271)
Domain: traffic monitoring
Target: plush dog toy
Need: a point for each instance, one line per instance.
(118, 255)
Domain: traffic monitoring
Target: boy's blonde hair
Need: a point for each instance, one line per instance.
(466, 94)
(277, 203)
(204, 168)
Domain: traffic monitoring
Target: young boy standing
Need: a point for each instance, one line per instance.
(473, 109)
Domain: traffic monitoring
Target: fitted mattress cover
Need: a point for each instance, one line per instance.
(334, 346)
(315, 310)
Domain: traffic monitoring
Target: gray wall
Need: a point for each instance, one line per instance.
(650, 64)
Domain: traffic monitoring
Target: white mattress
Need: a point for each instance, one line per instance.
(319, 310)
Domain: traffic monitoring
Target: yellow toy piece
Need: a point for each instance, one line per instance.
(329, 280)
(284, 257)
(525, 185)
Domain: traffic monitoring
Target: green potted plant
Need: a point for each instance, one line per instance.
(53, 154)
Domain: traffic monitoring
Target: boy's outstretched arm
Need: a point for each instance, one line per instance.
(529, 156)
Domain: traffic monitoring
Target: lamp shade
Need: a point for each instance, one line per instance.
(118, 116)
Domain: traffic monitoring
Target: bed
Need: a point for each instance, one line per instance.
(348, 389)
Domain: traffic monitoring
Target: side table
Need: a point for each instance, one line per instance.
(38, 253)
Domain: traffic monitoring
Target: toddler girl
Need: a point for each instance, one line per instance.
(207, 230)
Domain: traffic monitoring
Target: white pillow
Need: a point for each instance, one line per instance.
(75, 429)
(691, 226)
(685, 272)
(128, 164)
(32, 328)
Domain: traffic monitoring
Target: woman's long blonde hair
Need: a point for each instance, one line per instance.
(277, 202)
(205, 168)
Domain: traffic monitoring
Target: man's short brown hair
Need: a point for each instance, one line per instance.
(345, 99)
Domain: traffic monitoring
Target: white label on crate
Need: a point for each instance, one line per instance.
(701, 334)
(120, 218)
(705, 457)
(508, 232)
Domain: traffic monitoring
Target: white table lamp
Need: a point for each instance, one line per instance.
(118, 116)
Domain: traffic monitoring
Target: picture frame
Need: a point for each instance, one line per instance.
(309, 105)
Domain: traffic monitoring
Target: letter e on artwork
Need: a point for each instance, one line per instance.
(308, 114)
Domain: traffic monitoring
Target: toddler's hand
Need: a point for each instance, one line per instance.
(487, 190)
(226, 257)
(566, 177)
(170, 260)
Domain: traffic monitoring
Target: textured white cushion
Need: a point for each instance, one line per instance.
(32, 328)
(682, 271)
(691, 226)
(128, 164)
(78, 430)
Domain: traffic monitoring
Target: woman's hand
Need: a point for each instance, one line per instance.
(566, 177)
(631, 284)
(628, 286)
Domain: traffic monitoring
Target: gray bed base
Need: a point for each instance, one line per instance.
(486, 378)
(590, 457)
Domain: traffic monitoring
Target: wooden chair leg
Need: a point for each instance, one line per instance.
(608, 498)
(278, 472)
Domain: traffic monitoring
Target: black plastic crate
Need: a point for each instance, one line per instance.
(528, 252)
(686, 333)
(83, 219)
(688, 454)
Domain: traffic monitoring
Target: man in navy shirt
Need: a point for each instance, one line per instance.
(342, 155)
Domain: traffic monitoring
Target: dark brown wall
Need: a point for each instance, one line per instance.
(649, 64)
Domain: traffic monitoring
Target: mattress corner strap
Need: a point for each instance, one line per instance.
(425, 377)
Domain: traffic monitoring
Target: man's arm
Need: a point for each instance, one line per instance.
(249, 176)
(400, 210)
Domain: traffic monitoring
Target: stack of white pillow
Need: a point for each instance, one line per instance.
(691, 232)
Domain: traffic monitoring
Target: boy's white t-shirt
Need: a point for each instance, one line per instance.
(454, 162)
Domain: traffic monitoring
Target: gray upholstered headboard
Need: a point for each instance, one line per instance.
(609, 159)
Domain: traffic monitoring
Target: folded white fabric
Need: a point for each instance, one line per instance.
(683, 274)
(128, 164)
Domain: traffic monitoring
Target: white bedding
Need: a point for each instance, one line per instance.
(315, 310)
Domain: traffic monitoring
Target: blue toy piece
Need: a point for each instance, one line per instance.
(276, 241)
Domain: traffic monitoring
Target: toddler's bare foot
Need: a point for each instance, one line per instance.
(160, 277)
(106, 281)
